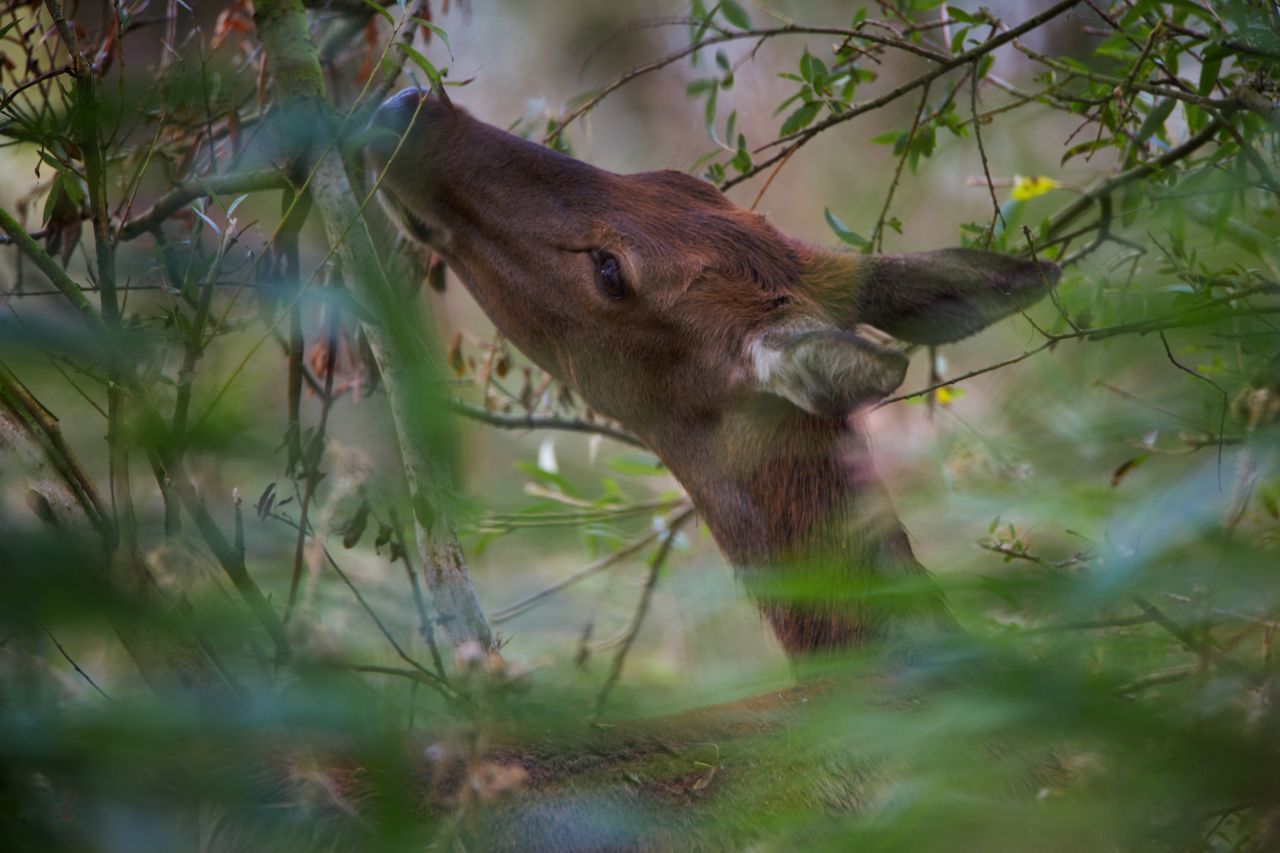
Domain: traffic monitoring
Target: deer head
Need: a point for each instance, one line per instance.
(728, 347)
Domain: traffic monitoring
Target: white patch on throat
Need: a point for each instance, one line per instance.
(764, 358)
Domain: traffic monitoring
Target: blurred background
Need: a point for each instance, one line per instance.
(1047, 492)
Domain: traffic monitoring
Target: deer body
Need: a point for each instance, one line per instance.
(732, 350)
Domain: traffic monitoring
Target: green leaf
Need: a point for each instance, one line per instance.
(1210, 70)
(638, 464)
(813, 69)
(742, 159)
(381, 10)
(356, 526)
(1084, 147)
(782, 107)
(1196, 119)
(436, 30)
(549, 479)
(51, 200)
(844, 233)
(207, 221)
(1155, 119)
(735, 14)
(422, 62)
(71, 186)
(801, 118)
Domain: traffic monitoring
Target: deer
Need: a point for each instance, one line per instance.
(737, 354)
(731, 350)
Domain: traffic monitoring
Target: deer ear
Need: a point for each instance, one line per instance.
(940, 297)
(825, 370)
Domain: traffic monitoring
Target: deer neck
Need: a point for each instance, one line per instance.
(796, 506)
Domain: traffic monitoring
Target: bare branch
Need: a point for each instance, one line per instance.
(191, 189)
(517, 608)
(426, 675)
(1226, 398)
(532, 421)
(996, 215)
(74, 665)
(642, 607)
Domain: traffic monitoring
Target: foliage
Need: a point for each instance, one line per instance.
(178, 670)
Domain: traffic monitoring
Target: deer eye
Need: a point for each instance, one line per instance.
(609, 275)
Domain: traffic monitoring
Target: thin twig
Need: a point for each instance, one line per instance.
(1168, 675)
(1090, 624)
(997, 214)
(231, 561)
(1048, 286)
(75, 665)
(764, 188)
(194, 188)
(1140, 327)
(428, 676)
(517, 608)
(1146, 404)
(426, 625)
(972, 373)
(722, 38)
(34, 81)
(1226, 398)
(877, 234)
(800, 138)
(532, 421)
(311, 457)
(1181, 152)
(642, 609)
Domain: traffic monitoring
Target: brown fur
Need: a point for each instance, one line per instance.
(788, 490)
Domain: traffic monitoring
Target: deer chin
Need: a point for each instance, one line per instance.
(411, 224)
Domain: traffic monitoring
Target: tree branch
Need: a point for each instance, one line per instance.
(642, 607)
(799, 138)
(293, 59)
(532, 421)
(676, 56)
(525, 604)
(193, 188)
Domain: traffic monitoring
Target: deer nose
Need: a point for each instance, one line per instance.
(397, 111)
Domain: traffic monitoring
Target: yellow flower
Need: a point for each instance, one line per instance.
(1025, 189)
(944, 396)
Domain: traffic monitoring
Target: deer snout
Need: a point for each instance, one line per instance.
(410, 107)
(399, 148)
(397, 112)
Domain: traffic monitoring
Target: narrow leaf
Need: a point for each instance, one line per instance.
(735, 14)
(843, 231)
